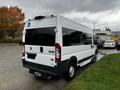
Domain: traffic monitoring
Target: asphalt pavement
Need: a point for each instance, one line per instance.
(13, 76)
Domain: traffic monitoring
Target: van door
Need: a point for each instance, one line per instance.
(40, 46)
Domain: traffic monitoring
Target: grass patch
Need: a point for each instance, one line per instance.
(104, 75)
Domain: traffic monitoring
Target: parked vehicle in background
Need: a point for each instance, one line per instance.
(109, 44)
(56, 45)
(100, 44)
(118, 45)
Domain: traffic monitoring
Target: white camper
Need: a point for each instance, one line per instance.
(56, 45)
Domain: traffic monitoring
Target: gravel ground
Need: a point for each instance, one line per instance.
(13, 76)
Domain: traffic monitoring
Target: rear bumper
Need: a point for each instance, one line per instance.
(57, 70)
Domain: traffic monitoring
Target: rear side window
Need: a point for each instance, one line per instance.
(86, 39)
(40, 36)
(72, 37)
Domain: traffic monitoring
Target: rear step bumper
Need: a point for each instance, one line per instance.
(57, 70)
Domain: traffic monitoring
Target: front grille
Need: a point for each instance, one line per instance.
(31, 56)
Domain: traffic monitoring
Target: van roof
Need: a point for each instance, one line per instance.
(51, 21)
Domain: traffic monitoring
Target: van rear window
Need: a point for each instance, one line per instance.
(40, 36)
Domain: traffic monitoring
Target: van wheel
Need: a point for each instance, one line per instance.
(69, 75)
(95, 58)
(31, 71)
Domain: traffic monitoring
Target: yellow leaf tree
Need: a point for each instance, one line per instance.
(11, 20)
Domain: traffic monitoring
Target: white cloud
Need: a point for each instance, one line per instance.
(8, 3)
(110, 18)
(102, 12)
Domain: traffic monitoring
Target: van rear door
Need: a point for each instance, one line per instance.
(40, 46)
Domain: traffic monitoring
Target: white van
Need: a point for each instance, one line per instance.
(56, 45)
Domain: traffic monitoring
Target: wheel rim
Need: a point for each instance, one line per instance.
(71, 71)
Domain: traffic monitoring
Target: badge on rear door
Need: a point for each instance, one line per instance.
(30, 48)
(51, 51)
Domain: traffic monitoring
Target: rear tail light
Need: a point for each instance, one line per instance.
(57, 53)
(23, 49)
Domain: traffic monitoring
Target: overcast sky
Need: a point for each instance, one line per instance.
(102, 12)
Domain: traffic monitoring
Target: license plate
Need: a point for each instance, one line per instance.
(38, 74)
(31, 56)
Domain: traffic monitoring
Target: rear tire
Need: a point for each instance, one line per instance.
(69, 75)
(31, 71)
(95, 57)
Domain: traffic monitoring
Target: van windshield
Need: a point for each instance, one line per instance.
(40, 36)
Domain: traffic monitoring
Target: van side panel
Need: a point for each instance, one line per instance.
(80, 52)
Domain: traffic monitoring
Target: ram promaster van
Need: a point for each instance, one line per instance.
(55, 46)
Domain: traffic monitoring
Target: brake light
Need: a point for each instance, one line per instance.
(57, 53)
(23, 49)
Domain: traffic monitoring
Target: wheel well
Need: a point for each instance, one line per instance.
(96, 51)
(73, 59)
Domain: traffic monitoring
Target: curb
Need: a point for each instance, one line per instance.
(9, 44)
(101, 53)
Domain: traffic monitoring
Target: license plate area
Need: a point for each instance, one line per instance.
(31, 56)
(38, 74)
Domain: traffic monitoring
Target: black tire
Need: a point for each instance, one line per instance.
(69, 75)
(95, 57)
(31, 71)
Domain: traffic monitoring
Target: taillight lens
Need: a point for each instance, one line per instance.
(57, 53)
(23, 49)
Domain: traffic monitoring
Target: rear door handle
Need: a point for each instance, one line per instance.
(41, 49)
